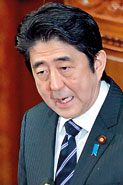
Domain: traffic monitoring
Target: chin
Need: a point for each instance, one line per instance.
(68, 115)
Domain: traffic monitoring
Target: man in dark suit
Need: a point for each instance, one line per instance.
(76, 135)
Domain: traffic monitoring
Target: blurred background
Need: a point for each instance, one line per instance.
(17, 88)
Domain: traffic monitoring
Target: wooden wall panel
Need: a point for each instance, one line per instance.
(9, 93)
(114, 66)
(115, 70)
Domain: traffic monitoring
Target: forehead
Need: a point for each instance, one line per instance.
(52, 49)
(49, 46)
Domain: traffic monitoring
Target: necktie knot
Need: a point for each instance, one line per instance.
(71, 128)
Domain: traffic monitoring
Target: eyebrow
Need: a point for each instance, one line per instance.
(38, 63)
(65, 58)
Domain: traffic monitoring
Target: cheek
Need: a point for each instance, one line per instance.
(85, 88)
(79, 84)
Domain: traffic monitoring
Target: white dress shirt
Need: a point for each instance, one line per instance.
(85, 121)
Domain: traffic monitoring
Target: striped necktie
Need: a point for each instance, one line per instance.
(68, 154)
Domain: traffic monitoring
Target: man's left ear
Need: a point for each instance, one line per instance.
(100, 63)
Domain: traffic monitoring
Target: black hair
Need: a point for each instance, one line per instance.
(69, 24)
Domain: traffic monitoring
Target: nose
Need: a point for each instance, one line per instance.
(56, 81)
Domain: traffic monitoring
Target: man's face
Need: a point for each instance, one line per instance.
(63, 77)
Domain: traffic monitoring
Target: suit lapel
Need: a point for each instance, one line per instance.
(104, 125)
(88, 161)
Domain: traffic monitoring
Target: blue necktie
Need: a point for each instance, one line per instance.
(68, 155)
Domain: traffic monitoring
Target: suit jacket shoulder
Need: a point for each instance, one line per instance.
(36, 157)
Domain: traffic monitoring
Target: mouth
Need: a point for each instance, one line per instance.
(64, 100)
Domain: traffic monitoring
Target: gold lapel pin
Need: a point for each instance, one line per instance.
(102, 139)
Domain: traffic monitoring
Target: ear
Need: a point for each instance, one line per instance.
(100, 63)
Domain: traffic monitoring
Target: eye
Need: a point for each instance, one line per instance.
(65, 68)
(43, 72)
(66, 71)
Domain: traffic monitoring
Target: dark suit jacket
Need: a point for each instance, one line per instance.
(36, 160)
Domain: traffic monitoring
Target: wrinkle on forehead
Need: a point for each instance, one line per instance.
(49, 49)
